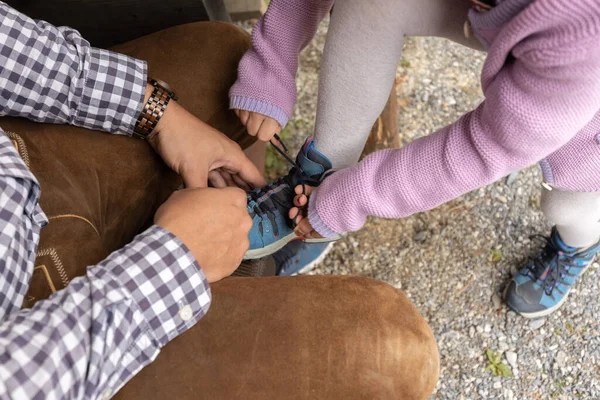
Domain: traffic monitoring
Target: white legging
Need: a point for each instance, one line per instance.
(361, 55)
(576, 215)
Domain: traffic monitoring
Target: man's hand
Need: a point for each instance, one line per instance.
(298, 213)
(200, 153)
(259, 125)
(212, 223)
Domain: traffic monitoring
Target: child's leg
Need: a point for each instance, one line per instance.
(362, 51)
(575, 214)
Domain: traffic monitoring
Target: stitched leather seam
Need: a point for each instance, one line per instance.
(47, 275)
(21, 148)
(57, 262)
(75, 216)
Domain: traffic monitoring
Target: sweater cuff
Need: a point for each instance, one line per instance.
(315, 220)
(261, 107)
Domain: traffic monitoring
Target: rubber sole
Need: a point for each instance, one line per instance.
(318, 260)
(548, 311)
(253, 254)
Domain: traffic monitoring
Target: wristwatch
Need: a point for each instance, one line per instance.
(153, 109)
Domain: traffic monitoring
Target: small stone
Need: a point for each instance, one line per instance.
(502, 199)
(512, 178)
(496, 301)
(535, 324)
(420, 236)
(511, 395)
(497, 385)
(487, 328)
(450, 335)
(511, 358)
(561, 358)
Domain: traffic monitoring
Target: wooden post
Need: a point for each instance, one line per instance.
(384, 133)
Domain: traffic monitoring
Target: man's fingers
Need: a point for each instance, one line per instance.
(254, 122)
(238, 164)
(228, 179)
(250, 174)
(242, 184)
(195, 180)
(237, 197)
(267, 129)
(216, 179)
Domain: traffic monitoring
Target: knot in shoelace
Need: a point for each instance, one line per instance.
(550, 266)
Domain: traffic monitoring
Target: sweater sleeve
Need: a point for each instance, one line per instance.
(267, 73)
(536, 101)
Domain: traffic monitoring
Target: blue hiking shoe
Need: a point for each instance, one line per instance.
(298, 257)
(269, 206)
(543, 285)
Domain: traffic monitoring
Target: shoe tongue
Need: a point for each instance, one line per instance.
(312, 162)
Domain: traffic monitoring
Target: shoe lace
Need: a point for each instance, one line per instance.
(550, 266)
(268, 206)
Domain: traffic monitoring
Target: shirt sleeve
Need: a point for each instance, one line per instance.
(53, 75)
(89, 339)
(20, 223)
(536, 102)
(267, 73)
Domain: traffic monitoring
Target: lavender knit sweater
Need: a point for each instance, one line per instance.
(541, 82)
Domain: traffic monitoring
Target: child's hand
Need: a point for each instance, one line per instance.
(258, 125)
(298, 213)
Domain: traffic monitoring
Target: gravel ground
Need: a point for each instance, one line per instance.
(453, 262)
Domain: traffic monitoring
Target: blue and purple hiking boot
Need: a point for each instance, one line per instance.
(542, 286)
(269, 206)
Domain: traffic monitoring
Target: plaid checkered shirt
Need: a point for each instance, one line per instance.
(87, 340)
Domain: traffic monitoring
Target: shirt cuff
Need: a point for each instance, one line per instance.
(164, 280)
(315, 220)
(113, 92)
(261, 107)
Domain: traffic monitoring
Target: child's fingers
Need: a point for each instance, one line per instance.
(313, 235)
(295, 215)
(268, 128)
(244, 115)
(300, 200)
(254, 122)
(303, 228)
(237, 112)
(307, 189)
